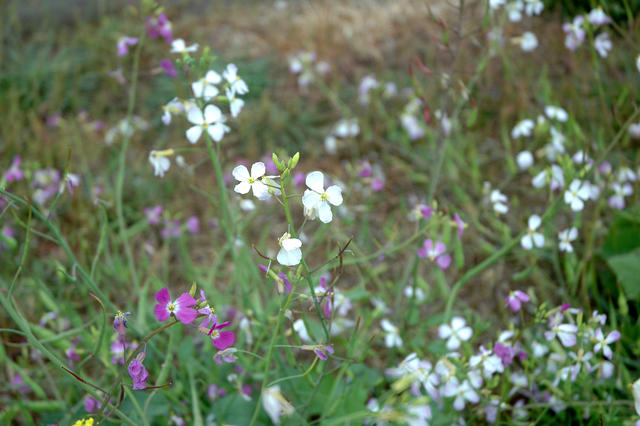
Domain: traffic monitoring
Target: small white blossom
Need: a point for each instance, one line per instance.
(160, 161)
(179, 46)
(237, 85)
(603, 342)
(528, 41)
(598, 17)
(603, 44)
(565, 237)
(251, 181)
(316, 199)
(524, 160)
(556, 113)
(462, 392)
(532, 238)
(205, 87)
(455, 333)
(576, 195)
(212, 121)
(514, 10)
(533, 7)
(498, 201)
(523, 128)
(290, 253)
(392, 334)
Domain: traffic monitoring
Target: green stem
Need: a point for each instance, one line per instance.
(267, 365)
(122, 227)
(227, 224)
(307, 271)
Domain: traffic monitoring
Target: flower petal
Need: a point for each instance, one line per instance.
(242, 187)
(186, 315)
(212, 114)
(315, 181)
(240, 173)
(334, 195)
(224, 340)
(289, 258)
(194, 115)
(187, 300)
(161, 312)
(163, 297)
(258, 170)
(193, 134)
(324, 212)
(291, 244)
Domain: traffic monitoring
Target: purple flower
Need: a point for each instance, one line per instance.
(18, 383)
(138, 374)
(515, 299)
(124, 43)
(91, 405)
(426, 211)
(321, 352)
(504, 352)
(72, 355)
(365, 170)
(53, 120)
(120, 322)
(153, 214)
(193, 225)
(168, 68)
(283, 285)
(460, 223)
(221, 339)
(435, 253)
(160, 26)
(180, 308)
(377, 185)
(298, 178)
(227, 355)
(172, 229)
(14, 173)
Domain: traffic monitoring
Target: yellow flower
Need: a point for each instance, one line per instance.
(84, 422)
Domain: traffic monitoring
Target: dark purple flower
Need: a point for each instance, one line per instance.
(160, 26)
(138, 374)
(120, 322)
(321, 352)
(426, 211)
(365, 169)
(168, 68)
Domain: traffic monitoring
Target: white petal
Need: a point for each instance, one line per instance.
(213, 77)
(324, 212)
(291, 244)
(194, 115)
(465, 334)
(210, 92)
(334, 195)
(217, 131)
(240, 173)
(310, 199)
(193, 134)
(315, 181)
(526, 242)
(212, 114)
(457, 323)
(258, 170)
(534, 222)
(289, 258)
(197, 88)
(242, 187)
(538, 240)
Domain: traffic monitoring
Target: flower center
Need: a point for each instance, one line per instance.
(324, 196)
(215, 334)
(251, 180)
(171, 307)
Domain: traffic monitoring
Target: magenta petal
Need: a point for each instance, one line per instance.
(440, 248)
(224, 340)
(320, 353)
(161, 312)
(444, 261)
(186, 315)
(186, 299)
(223, 325)
(428, 245)
(163, 297)
(422, 252)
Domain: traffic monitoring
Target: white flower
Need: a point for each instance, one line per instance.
(565, 332)
(603, 44)
(523, 128)
(212, 121)
(235, 104)
(462, 393)
(347, 128)
(514, 10)
(528, 41)
(318, 200)
(524, 160)
(566, 237)
(576, 195)
(556, 113)
(251, 181)
(237, 85)
(635, 387)
(490, 363)
(556, 147)
(331, 145)
(247, 205)
(408, 292)
(533, 7)
(603, 342)
(392, 334)
(174, 106)
(205, 87)
(532, 238)
(301, 329)
(275, 404)
(179, 46)
(598, 17)
(418, 415)
(290, 253)
(455, 333)
(160, 161)
(494, 4)
(634, 128)
(498, 200)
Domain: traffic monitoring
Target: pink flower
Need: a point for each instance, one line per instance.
(138, 374)
(153, 214)
(180, 308)
(505, 353)
(221, 339)
(14, 173)
(460, 223)
(377, 185)
(426, 211)
(193, 225)
(160, 26)
(515, 299)
(435, 253)
(124, 43)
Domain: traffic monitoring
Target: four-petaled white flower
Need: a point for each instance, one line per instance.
(290, 253)
(392, 334)
(317, 201)
(251, 181)
(556, 113)
(576, 195)
(523, 128)
(490, 362)
(565, 332)
(603, 342)
(565, 237)
(205, 88)
(533, 7)
(524, 160)
(498, 200)
(455, 333)
(528, 41)
(179, 46)
(462, 392)
(175, 106)
(235, 104)
(532, 238)
(160, 161)
(237, 85)
(212, 121)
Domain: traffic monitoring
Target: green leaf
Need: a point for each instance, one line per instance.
(627, 269)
